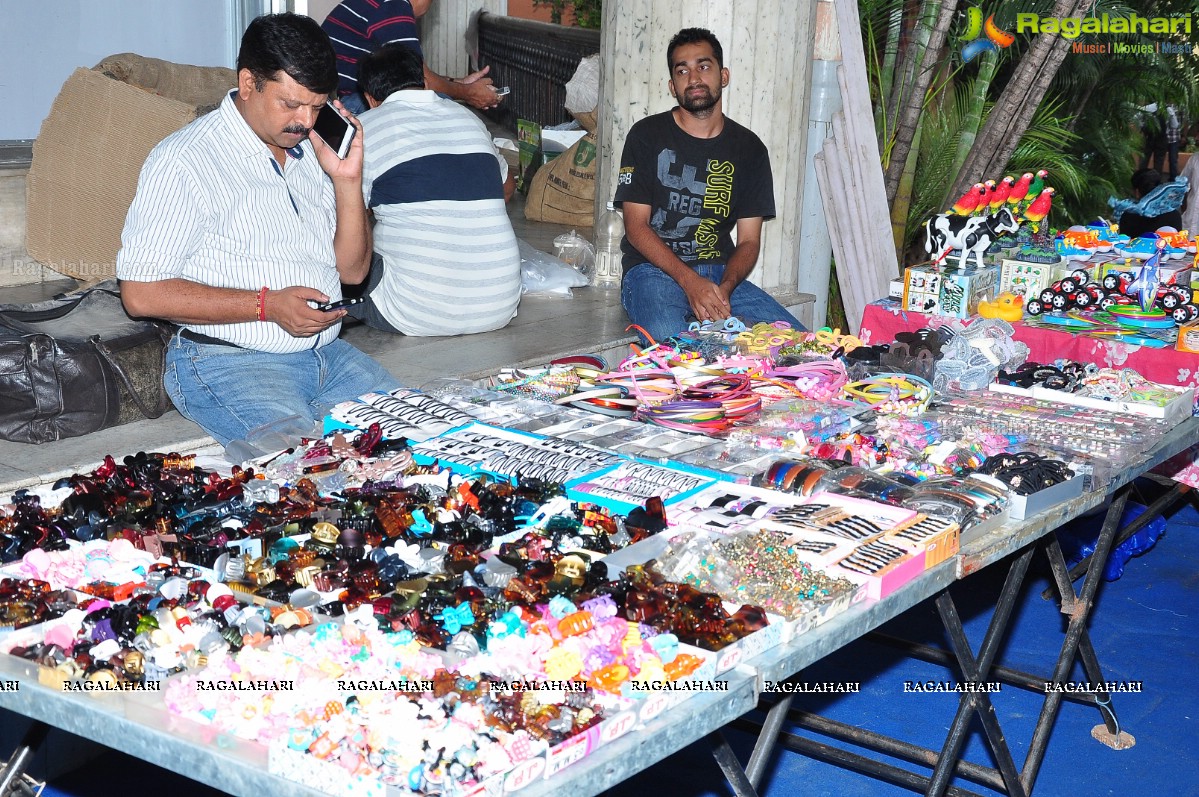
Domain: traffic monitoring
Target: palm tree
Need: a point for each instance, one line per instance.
(1014, 110)
(1022, 108)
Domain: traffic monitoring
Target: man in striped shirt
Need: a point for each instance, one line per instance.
(446, 259)
(359, 27)
(242, 224)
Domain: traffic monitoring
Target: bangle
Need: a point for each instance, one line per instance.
(260, 306)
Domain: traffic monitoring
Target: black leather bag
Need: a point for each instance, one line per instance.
(78, 364)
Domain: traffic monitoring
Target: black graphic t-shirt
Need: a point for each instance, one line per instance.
(696, 188)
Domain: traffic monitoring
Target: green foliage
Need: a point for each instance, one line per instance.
(587, 13)
(1085, 131)
(1050, 144)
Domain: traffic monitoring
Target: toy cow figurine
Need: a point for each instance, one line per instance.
(971, 234)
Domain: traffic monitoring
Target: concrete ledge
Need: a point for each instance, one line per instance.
(591, 322)
(800, 305)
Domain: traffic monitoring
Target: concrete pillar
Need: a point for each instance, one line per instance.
(815, 249)
(443, 33)
(768, 51)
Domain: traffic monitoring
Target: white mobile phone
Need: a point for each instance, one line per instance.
(334, 129)
(502, 90)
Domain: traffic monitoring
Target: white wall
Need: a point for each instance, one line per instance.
(42, 42)
(319, 9)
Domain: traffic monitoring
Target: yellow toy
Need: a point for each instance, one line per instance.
(1007, 306)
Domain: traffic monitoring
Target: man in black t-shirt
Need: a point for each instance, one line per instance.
(687, 178)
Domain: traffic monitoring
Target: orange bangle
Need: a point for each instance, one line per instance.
(260, 306)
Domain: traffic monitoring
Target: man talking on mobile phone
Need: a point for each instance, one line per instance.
(243, 223)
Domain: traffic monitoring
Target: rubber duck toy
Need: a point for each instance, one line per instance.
(1007, 307)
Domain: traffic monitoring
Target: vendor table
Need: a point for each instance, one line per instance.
(240, 769)
(628, 755)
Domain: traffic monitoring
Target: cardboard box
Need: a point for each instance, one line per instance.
(90, 150)
(922, 289)
(946, 291)
(1188, 338)
(1029, 279)
(1025, 506)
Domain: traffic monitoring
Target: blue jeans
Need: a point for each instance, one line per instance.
(657, 304)
(354, 103)
(231, 391)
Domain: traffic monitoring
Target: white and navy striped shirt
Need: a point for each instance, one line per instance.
(214, 207)
(436, 185)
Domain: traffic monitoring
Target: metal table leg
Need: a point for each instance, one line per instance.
(726, 759)
(765, 743)
(976, 670)
(1078, 608)
(13, 780)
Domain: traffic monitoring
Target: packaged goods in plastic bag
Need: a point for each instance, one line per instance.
(542, 273)
(575, 250)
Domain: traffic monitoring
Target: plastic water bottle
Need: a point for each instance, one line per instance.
(608, 235)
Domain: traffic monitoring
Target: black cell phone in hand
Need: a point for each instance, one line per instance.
(334, 129)
(340, 303)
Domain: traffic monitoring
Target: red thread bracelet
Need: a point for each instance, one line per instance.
(260, 307)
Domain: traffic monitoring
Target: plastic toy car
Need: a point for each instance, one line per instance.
(1184, 314)
(1116, 281)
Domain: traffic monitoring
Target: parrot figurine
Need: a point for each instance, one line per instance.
(1001, 193)
(1020, 189)
(1145, 286)
(1038, 209)
(984, 198)
(969, 201)
(1037, 186)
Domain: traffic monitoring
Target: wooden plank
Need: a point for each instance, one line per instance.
(849, 168)
(824, 182)
(872, 274)
(756, 24)
(845, 218)
(798, 32)
(842, 214)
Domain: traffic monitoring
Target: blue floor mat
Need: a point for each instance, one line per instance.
(1145, 629)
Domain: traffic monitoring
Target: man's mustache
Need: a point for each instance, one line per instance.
(297, 129)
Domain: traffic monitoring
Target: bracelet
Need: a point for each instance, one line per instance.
(260, 305)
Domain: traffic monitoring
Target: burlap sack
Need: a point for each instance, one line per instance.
(563, 191)
(90, 150)
(200, 86)
(586, 119)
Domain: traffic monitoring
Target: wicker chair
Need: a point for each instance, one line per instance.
(536, 60)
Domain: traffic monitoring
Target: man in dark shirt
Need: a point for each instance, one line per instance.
(359, 27)
(687, 178)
